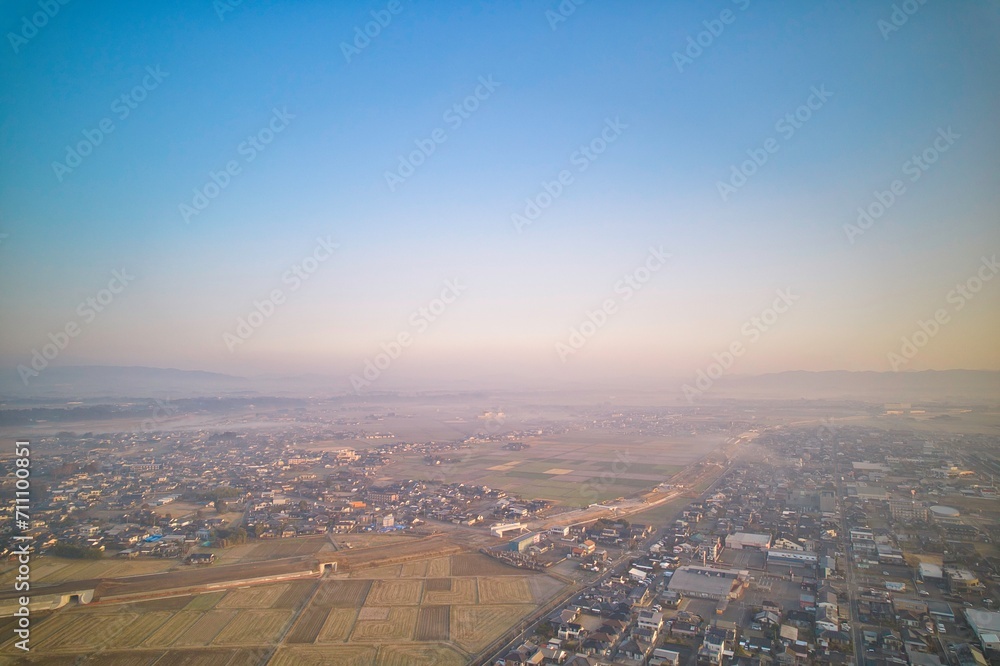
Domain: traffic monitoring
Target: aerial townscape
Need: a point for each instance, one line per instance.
(550, 531)
(491, 333)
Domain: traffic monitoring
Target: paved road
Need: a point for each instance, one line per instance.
(852, 585)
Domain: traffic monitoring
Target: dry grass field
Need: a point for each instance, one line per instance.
(344, 655)
(433, 623)
(378, 572)
(253, 597)
(373, 613)
(473, 627)
(166, 604)
(395, 592)
(419, 655)
(172, 629)
(125, 658)
(439, 567)
(254, 627)
(308, 625)
(78, 631)
(338, 626)
(416, 569)
(342, 593)
(203, 602)
(295, 594)
(205, 628)
(398, 626)
(138, 629)
(450, 591)
(409, 618)
(505, 590)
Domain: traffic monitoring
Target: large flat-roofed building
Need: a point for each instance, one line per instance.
(781, 556)
(708, 583)
(747, 540)
(986, 626)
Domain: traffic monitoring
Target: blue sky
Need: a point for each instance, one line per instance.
(656, 184)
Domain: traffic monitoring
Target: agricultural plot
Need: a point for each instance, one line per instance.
(574, 468)
(308, 626)
(138, 629)
(416, 569)
(419, 655)
(203, 602)
(253, 597)
(206, 628)
(279, 548)
(373, 613)
(250, 627)
(544, 588)
(477, 564)
(473, 627)
(338, 626)
(398, 626)
(378, 572)
(296, 594)
(439, 567)
(344, 655)
(77, 631)
(395, 592)
(172, 629)
(125, 658)
(197, 657)
(449, 591)
(167, 604)
(342, 593)
(433, 623)
(505, 590)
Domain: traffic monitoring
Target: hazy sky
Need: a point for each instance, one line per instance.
(310, 128)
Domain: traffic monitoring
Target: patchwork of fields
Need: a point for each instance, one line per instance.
(440, 610)
(573, 469)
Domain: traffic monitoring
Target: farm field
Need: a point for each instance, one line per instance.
(53, 570)
(572, 469)
(404, 616)
(253, 627)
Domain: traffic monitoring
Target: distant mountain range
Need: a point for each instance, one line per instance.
(94, 382)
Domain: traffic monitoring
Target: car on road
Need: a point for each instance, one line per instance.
(940, 628)
(885, 573)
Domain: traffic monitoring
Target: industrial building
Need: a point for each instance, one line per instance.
(986, 626)
(780, 556)
(746, 540)
(707, 583)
